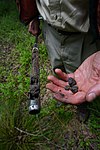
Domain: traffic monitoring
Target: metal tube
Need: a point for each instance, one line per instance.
(34, 94)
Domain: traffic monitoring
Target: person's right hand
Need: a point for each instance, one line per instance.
(34, 28)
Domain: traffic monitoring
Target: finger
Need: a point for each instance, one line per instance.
(56, 81)
(74, 99)
(63, 75)
(57, 89)
(52, 87)
(66, 96)
(30, 27)
(93, 93)
(31, 30)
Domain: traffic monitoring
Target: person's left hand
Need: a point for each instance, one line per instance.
(87, 77)
(57, 86)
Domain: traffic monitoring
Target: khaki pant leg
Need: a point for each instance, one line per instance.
(76, 49)
(67, 51)
(52, 41)
(90, 46)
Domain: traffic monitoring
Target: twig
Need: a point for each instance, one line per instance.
(26, 132)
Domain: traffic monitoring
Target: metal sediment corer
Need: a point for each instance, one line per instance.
(34, 94)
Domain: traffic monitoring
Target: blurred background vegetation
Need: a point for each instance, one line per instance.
(56, 127)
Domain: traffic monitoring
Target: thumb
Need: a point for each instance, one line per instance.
(93, 93)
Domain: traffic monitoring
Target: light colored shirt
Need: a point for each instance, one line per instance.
(67, 15)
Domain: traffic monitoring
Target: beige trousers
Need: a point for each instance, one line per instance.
(67, 51)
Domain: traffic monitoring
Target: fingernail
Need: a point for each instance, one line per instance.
(91, 96)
